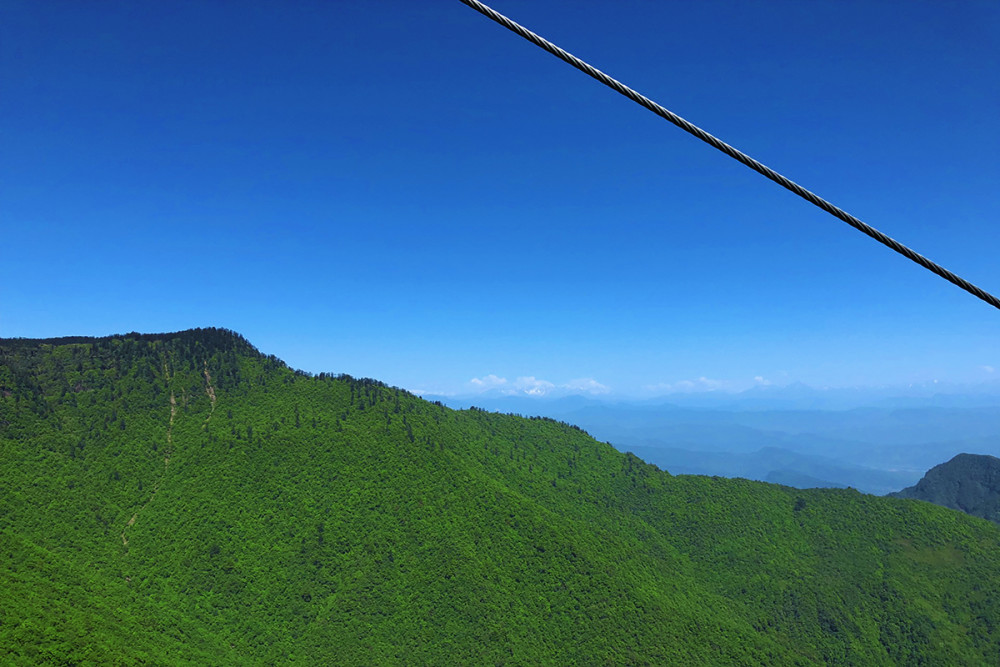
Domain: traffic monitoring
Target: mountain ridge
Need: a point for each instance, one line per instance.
(273, 516)
(968, 483)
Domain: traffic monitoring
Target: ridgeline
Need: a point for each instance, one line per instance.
(184, 499)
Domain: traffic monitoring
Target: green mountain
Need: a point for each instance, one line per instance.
(968, 483)
(184, 499)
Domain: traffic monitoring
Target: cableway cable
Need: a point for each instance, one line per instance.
(732, 152)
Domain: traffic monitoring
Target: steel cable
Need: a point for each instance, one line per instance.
(732, 152)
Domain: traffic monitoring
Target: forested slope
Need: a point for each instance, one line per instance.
(182, 498)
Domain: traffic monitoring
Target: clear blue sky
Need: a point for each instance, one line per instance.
(409, 192)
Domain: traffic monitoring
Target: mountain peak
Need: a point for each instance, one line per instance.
(969, 483)
(214, 338)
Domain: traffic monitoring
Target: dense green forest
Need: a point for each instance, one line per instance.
(184, 499)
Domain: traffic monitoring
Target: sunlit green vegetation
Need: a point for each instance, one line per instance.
(183, 498)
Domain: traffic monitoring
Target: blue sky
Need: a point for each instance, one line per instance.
(409, 192)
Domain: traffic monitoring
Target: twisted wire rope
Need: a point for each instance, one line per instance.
(734, 153)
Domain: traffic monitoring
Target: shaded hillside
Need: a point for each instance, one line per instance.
(969, 483)
(182, 498)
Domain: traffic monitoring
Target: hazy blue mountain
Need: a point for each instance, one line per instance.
(798, 480)
(772, 464)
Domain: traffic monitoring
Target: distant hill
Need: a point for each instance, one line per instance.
(799, 481)
(969, 483)
(773, 464)
(185, 499)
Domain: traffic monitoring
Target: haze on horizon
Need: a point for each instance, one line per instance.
(758, 388)
(416, 195)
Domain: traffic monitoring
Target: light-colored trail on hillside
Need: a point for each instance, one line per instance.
(210, 390)
(166, 464)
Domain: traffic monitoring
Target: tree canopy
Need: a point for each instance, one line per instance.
(184, 498)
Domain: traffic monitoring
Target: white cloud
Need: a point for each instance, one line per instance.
(688, 386)
(988, 369)
(587, 385)
(488, 382)
(761, 380)
(531, 386)
(431, 392)
(527, 385)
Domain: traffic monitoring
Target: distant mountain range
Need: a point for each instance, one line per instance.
(794, 396)
(969, 483)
